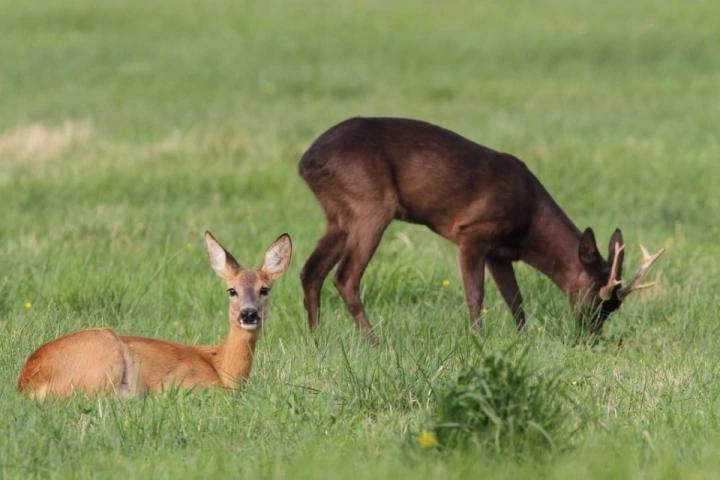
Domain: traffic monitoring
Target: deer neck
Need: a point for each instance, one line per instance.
(552, 248)
(234, 358)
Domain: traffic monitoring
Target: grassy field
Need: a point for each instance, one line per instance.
(127, 128)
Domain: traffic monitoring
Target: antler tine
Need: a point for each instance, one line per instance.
(648, 260)
(613, 282)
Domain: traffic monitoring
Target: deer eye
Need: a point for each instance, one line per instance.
(232, 292)
(264, 291)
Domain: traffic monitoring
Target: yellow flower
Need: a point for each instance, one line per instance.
(28, 305)
(573, 383)
(270, 89)
(176, 323)
(446, 283)
(426, 439)
(539, 329)
(484, 311)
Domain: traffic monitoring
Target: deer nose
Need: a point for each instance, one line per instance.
(249, 315)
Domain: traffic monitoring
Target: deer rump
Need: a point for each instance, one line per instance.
(88, 361)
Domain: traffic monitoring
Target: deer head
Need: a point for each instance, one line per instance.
(249, 289)
(606, 293)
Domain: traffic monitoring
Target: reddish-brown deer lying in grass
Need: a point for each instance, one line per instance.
(99, 360)
(366, 172)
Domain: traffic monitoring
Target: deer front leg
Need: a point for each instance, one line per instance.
(471, 257)
(504, 276)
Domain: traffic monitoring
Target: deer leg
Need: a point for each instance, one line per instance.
(362, 242)
(504, 277)
(471, 257)
(327, 253)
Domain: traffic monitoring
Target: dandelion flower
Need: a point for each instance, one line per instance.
(573, 383)
(28, 305)
(484, 311)
(426, 439)
(446, 283)
(176, 323)
(539, 329)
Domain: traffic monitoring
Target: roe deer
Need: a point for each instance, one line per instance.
(98, 360)
(365, 172)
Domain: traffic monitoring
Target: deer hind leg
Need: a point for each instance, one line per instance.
(504, 277)
(472, 257)
(364, 236)
(327, 253)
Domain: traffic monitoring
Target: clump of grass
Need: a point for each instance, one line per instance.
(501, 405)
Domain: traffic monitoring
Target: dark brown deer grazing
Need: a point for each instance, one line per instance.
(366, 172)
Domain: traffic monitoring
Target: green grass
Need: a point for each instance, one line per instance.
(127, 128)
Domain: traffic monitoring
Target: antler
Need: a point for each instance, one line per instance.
(648, 260)
(613, 282)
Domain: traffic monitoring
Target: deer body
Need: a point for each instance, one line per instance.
(366, 172)
(98, 360)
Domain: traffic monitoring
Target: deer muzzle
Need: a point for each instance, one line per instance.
(249, 318)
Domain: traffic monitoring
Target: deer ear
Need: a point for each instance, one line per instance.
(616, 239)
(277, 257)
(220, 259)
(588, 251)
